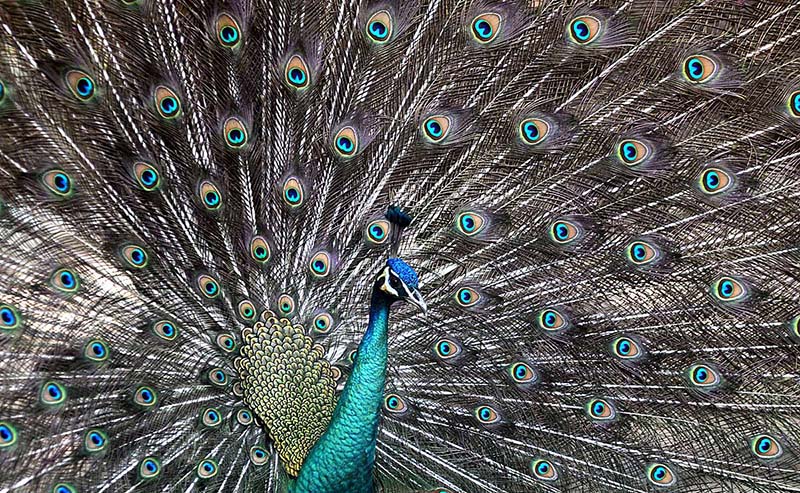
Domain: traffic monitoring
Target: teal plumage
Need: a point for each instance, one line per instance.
(204, 206)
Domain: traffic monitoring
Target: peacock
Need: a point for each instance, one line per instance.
(399, 246)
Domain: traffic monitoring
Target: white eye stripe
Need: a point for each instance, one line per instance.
(386, 286)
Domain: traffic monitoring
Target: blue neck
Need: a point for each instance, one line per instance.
(343, 458)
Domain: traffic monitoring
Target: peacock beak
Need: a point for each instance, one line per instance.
(416, 299)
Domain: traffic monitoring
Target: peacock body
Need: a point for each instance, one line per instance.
(211, 211)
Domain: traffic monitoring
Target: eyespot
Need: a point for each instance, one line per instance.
(64, 488)
(165, 330)
(467, 297)
(794, 327)
(210, 196)
(95, 441)
(52, 394)
(378, 231)
(766, 447)
(2, 91)
(447, 349)
(285, 304)
(626, 348)
(323, 323)
(211, 418)
(296, 73)
(522, 373)
(95, 350)
(352, 355)
(258, 456)
(714, 180)
(380, 27)
(80, 84)
(235, 133)
(660, 475)
(729, 289)
(65, 281)
(218, 377)
(486, 415)
(551, 320)
(8, 435)
(149, 468)
(394, 404)
(226, 342)
(336, 373)
(703, 376)
(207, 469)
(533, 131)
(345, 142)
(246, 310)
(167, 102)
(208, 286)
(600, 410)
(58, 182)
(699, 69)
(135, 256)
(244, 417)
(470, 223)
(320, 264)
(145, 397)
(147, 176)
(293, 192)
(632, 152)
(228, 33)
(544, 470)
(794, 104)
(486, 27)
(435, 128)
(9, 317)
(259, 250)
(564, 232)
(642, 253)
(584, 29)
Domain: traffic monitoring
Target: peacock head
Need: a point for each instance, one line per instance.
(399, 282)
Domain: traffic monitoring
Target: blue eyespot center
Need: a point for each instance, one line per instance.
(659, 473)
(485, 414)
(149, 177)
(465, 296)
(468, 223)
(378, 30)
(393, 403)
(532, 132)
(764, 445)
(236, 136)
(53, 391)
(61, 181)
(445, 348)
(319, 266)
(297, 76)
(712, 180)
(212, 198)
(639, 252)
(433, 128)
(598, 408)
(98, 349)
(695, 68)
(543, 468)
(700, 375)
(624, 347)
(549, 319)
(377, 232)
(85, 87)
(169, 105)
(483, 29)
(562, 232)
(581, 30)
(5, 433)
(229, 34)
(726, 289)
(344, 144)
(292, 195)
(8, 317)
(146, 395)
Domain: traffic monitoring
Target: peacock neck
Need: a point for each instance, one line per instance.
(343, 458)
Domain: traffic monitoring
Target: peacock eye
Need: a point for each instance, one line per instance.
(147, 176)
(660, 475)
(336, 373)
(323, 323)
(467, 297)
(794, 327)
(208, 286)
(165, 330)
(584, 29)
(64, 488)
(699, 69)
(293, 192)
(352, 355)
(296, 73)
(766, 447)
(8, 435)
(345, 142)
(135, 256)
(714, 180)
(226, 342)
(626, 348)
(435, 128)
(794, 104)
(728, 289)
(211, 418)
(522, 373)
(52, 394)
(149, 468)
(247, 310)
(380, 27)
(320, 264)
(95, 441)
(80, 84)
(95, 351)
(642, 253)
(58, 182)
(209, 195)
(600, 410)
(486, 415)
(285, 304)
(564, 232)
(378, 231)
(167, 102)
(3, 91)
(244, 417)
(235, 133)
(470, 223)
(703, 376)
(394, 404)
(551, 320)
(447, 349)
(65, 280)
(632, 152)
(207, 469)
(145, 397)
(217, 377)
(259, 249)
(533, 131)
(258, 456)
(228, 33)
(544, 469)
(486, 27)
(9, 317)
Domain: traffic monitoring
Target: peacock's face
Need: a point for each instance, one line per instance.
(399, 282)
